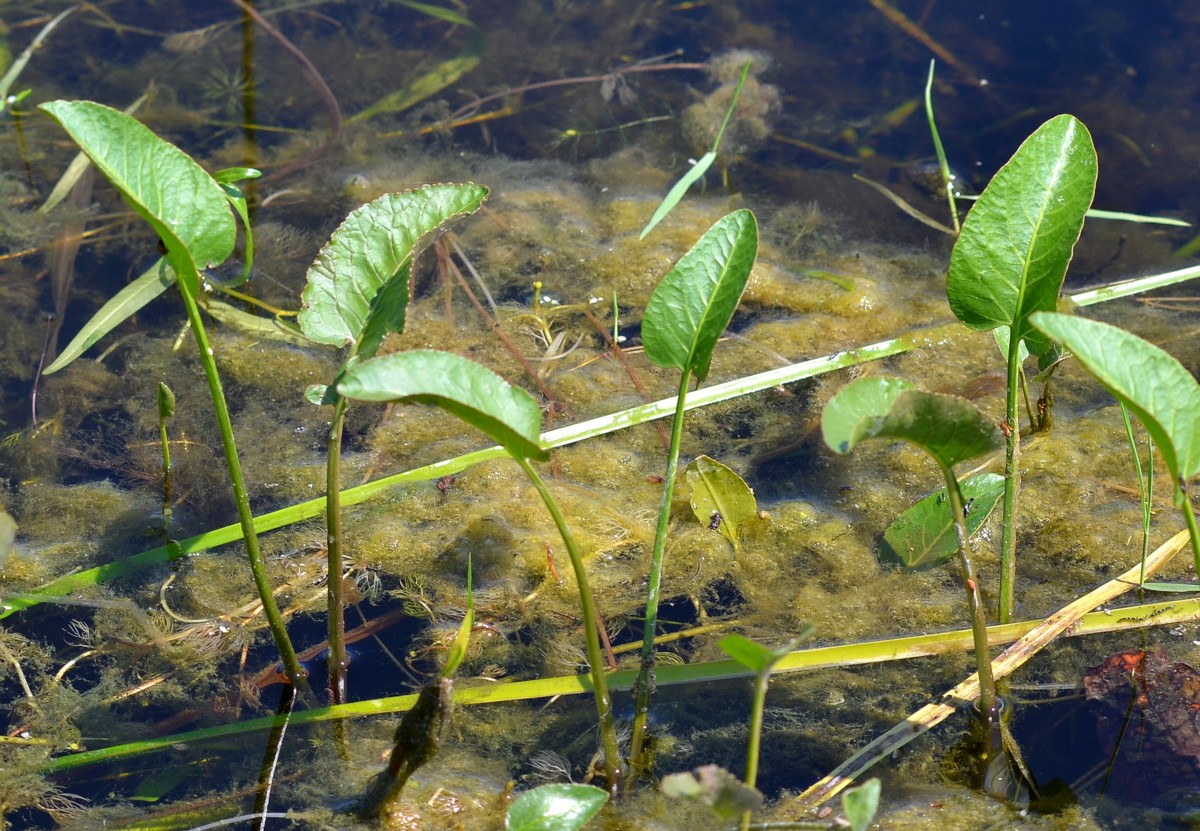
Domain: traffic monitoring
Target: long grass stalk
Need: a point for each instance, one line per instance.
(1167, 613)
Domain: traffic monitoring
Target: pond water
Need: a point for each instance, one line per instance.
(578, 116)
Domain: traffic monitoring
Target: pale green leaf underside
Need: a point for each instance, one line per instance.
(1156, 387)
(1017, 241)
(690, 308)
(508, 415)
(949, 428)
(923, 537)
(369, 249)
(162, 183)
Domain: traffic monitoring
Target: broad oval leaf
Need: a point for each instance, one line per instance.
(923, 537)
(357, 289)
(182, 202)
(695, 301)
(508, 415)
(949, 428)
(720, 498)
(1017, 240)
(1156, 387)
(119, 308)
(559, 807)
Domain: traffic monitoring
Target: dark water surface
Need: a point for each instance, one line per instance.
(579, 116)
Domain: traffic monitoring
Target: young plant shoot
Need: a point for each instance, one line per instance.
(1156, 387)
(356, 294)
(951, 430)
(1010, 261)
(511, 418)
(686, 316)
(189, 210)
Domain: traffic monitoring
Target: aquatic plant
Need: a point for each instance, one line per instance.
(1009, 262)
(356, 293)
(190, 212)
(685, 317)
(951, 430)
(510, 417)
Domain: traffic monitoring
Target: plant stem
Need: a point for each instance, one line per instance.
(644, 688)
(988, 710)
(1012, 482)
(1190, 516)
(754, 742)
(335, 596)
(608, 729)
(283, 643)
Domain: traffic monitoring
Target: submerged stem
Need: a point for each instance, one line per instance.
(262, 583)
(989, 711)
(604, 710)
(644, 687)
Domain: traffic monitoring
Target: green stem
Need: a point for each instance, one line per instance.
(1012, 483)
(755, 739)
(266, 596)
(335, 596)
(1190, 516)
(608, 729)
(988, 710)
(1146, 494)
(333, 543)
(644, 688)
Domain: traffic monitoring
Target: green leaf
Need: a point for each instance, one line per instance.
(949, 428)
(369, 251)
(508, 415)
(1017, 241)
(843, 419)
(675, 194)
(695, 301)
(923, 537)
(120, 307)
(554, 808)
(720, 498)
(1151, 383)
(184, 205)
(861, 803)
(753, 656)
(715, 787)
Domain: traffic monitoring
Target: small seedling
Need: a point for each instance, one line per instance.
(759, 660)
(190, 212)
(1010, 261)
(686, 316)
(951, 430)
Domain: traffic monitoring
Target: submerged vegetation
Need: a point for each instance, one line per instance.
(599, 343)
